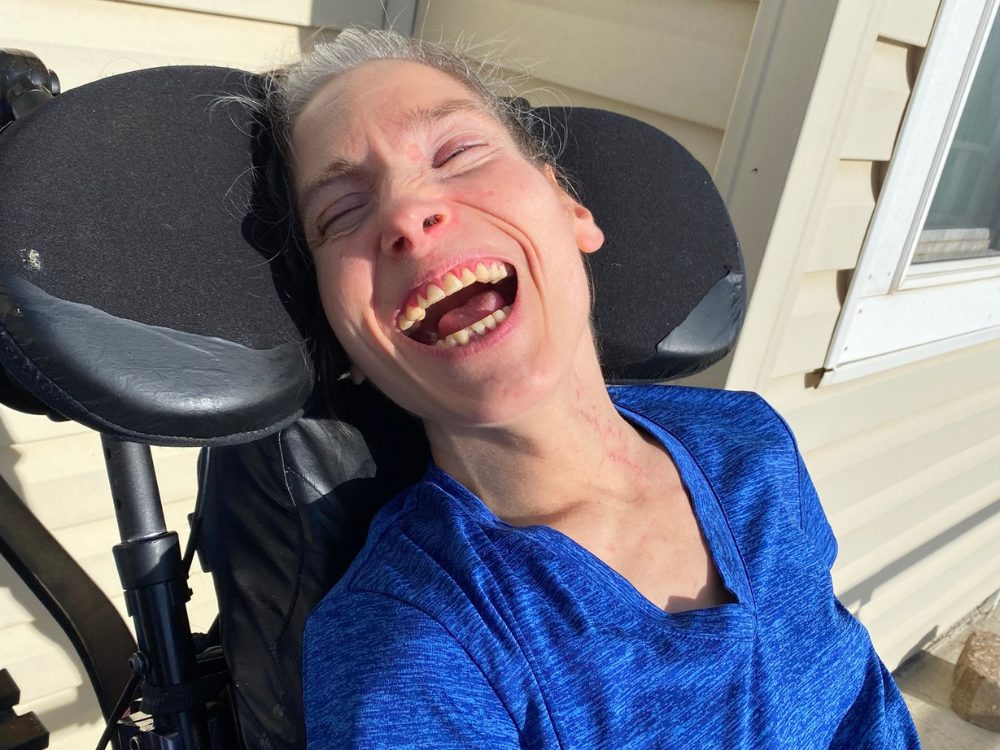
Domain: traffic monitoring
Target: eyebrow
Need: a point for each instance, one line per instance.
(415, 120)
(420, 118)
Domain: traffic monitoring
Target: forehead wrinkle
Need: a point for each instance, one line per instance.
(413, 121)
(422, 118)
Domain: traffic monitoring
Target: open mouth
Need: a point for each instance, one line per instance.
(463, 305)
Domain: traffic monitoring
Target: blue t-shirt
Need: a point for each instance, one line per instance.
(454, 629)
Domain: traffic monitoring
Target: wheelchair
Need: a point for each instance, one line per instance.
(145, 293)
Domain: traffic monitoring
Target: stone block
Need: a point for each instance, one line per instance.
(976, 681)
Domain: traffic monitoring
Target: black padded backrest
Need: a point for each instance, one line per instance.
(283, 517)
(669, 292)
(131, 298)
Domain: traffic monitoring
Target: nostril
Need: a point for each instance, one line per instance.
(432, 220)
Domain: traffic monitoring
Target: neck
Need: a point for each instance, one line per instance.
(570, 452)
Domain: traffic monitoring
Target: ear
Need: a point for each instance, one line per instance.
(589, 237)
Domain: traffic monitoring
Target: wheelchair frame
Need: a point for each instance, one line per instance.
(181, 673)
(185, 704)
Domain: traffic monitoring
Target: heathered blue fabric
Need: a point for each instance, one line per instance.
(453, 629)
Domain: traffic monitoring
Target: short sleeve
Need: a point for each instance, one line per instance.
(378, 673)
(814, 522)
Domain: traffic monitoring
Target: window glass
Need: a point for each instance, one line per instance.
(964, 217)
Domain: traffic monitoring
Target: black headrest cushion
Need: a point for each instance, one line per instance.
(130, 299)
(136, 298)
(668, 242)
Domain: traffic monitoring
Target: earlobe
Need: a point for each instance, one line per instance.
(589, 237)
(357, 376)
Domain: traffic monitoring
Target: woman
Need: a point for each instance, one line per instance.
(642, 568)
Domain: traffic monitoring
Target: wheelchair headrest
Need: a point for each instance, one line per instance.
(131, 299)
(135, 298)
(669, 290)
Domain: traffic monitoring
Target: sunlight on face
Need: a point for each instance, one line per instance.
(448, 264)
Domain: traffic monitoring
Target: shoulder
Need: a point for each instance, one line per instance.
(418, 573)
(380, 673)
(678, 399)
(352, 631)
(707, 416)
(416, 546)
(740, 445)
(393, 656)
(386, 608)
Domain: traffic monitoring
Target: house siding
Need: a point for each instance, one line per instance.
(673, 63)
(907, 461)
(58, 471)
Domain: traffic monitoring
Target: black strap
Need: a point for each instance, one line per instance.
(172, 699)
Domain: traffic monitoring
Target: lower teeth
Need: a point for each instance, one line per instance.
(464, 336)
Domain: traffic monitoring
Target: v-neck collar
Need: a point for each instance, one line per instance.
(737, 619)
(708, 509)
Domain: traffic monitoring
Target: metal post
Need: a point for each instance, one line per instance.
(152, 574)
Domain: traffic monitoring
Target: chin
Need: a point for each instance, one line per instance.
(496, 405)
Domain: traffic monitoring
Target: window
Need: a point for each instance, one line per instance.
(928, 279)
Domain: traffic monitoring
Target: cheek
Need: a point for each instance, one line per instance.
(471, 193)
(513, 189)
(343, 290)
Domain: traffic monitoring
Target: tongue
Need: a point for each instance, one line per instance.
(474, 310)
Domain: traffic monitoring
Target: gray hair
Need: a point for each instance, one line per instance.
(290, 89)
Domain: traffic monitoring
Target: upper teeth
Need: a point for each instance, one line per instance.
(452, 282)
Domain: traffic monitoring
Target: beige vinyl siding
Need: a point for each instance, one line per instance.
(907, 461)
(83, 40)
(57, 468)
(32, 646)
(909, 21)
(673, 63)
(304, 13)
(881, 103)
(844, 223)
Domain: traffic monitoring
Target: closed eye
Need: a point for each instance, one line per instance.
(343, 214)
(450, 152)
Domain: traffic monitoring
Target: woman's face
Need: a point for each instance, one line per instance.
(448, 264)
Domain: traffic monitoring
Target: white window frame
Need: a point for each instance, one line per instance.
(893, 314)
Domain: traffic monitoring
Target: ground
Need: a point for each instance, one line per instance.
(925, 680)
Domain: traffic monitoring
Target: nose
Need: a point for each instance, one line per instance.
(410, 223)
